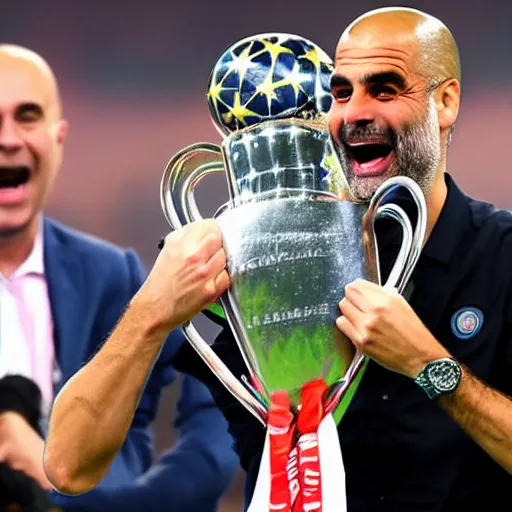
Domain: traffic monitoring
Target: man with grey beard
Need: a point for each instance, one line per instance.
(430, 427)
(416, 147)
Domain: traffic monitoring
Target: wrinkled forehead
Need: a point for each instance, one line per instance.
(22, 82)
(377, 52)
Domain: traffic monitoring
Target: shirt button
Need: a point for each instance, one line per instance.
(385, 397)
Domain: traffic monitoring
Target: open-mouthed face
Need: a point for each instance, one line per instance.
(383, 118)
(31, 138)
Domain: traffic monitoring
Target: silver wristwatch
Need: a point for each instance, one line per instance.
(439, 377)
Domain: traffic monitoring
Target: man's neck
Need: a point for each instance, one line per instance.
(435, 201)
(15, 250)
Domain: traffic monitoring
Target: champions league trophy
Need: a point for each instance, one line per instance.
(293, 235)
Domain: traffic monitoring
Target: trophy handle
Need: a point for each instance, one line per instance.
(413, 240)
(182, 174)
(408, 255)
(396, 276)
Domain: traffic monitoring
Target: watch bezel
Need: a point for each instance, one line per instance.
(436, 382)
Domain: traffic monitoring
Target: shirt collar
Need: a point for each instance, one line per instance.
(34, 264)
(453, 222)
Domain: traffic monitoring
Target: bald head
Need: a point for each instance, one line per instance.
(435, 52)
(32, 136)
(33, 68)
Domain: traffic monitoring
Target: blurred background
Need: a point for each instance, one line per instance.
(134, 73)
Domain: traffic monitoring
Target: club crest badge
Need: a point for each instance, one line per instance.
(467, 322)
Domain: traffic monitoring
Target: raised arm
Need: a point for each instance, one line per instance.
(93, 412)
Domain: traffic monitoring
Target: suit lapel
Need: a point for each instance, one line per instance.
(64, 275)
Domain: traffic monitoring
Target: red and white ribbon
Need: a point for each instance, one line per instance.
(301, 468)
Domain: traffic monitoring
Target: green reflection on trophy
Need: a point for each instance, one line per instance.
(293, 235)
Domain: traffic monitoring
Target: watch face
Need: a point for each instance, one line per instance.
(444, 375)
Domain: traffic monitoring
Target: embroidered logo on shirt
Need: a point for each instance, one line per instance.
(467, 322)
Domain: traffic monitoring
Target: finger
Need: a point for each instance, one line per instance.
(217, 263)
(355, 296)
(198, 230)
(192, 234)
(205, 249)
(364, 284)
(214, 288)
(38, 474)
(217, 271)
(222, 283)
(363, 294)
(216, 277)
(348, 329)
(370, 289)
(350, 311)
(43, 481)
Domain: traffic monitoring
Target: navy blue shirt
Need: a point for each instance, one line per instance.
(402, 452)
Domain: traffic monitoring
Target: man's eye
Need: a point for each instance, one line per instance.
(28, 117)
(383, 92)
(342, 94)
(29, 114)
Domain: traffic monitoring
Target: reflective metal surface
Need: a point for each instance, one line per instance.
(183, 172)
(281, 157)
(293, 235)
(289, 261)
(292, 246)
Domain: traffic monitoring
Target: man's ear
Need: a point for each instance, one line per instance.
(62, 131)
(447, 103)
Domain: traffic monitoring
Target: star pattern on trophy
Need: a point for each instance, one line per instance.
(267, 77)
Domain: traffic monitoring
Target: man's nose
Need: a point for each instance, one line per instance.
(10, 139)
(359, 110)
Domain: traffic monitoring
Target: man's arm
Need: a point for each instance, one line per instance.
(93, 412)
(192, 475)
(485, 414)
(383, 325)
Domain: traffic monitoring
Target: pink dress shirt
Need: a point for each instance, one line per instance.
(26, 325)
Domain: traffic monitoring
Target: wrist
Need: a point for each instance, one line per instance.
(144, 318)
(440, 377)
(419, 363)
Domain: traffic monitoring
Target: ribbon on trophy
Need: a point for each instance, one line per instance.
(294, 238)
(302, 466)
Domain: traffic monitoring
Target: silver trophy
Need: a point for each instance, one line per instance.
(294, 238)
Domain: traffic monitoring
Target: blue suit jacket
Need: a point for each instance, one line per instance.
(90, 282)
